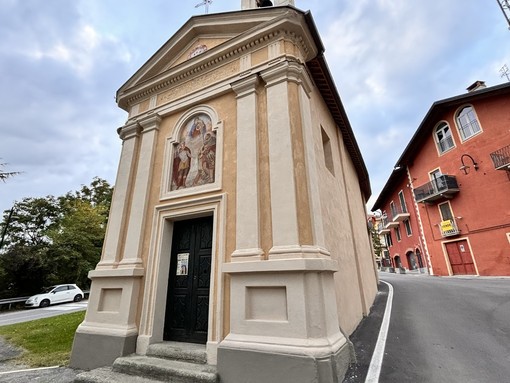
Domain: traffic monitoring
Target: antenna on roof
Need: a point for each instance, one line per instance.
(505, 72)
(505, 8)
(206, 4)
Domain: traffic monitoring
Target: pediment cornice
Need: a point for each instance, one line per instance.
(286, 24)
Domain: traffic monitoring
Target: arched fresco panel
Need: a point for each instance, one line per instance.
(194, 156)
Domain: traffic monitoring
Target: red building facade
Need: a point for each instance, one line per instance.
(453, 181)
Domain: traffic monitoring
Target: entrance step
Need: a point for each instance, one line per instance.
(107, 375)
(164, 362)
(187, 352)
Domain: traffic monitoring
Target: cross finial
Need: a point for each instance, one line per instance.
(206, 4)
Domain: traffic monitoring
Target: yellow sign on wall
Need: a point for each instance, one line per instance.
(447, 225)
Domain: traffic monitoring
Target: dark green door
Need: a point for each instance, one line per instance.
(187, 307)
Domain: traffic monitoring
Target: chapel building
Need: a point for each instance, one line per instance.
(238, 215)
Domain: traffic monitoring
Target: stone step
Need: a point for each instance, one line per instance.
(188, 352)
(107, 375)
(165, 369)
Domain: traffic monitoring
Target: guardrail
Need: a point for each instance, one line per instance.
(12, 301)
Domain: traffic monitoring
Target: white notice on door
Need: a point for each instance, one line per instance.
(182, 264)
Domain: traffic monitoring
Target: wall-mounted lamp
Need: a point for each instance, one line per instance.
(464, 167)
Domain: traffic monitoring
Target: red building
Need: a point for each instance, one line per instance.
(446, 206)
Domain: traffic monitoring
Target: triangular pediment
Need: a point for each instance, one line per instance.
(202, 37)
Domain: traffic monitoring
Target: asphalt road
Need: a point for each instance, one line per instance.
(12, 317)
(448, 330)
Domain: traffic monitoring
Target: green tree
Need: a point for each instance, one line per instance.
(76, 243)
(54, 240)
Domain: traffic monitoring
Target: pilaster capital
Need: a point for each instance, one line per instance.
(150, 122)
(287, 71)
(246, 86)
(130, 130)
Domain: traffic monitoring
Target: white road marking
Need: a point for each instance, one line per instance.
(29, 369)
(377, 357)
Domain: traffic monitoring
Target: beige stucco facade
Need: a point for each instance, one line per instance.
(291, 271)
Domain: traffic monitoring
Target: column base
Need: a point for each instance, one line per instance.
(98, 350)
(274, 367)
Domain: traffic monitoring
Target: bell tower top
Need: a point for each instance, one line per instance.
(249, 4)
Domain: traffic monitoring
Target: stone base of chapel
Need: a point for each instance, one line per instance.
(98, 350)
(255, 366)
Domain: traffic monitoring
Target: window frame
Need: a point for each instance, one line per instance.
(442, 125)
(402, 201)
(461, 127)
(407, 225)
(398, 234)
(389, 240)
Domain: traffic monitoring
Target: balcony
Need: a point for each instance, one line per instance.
(381, 227)
(449, 228)
(501, 158)
(440, 188)
(399, 214)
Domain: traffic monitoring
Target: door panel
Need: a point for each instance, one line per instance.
(187, 309)
(460, 258)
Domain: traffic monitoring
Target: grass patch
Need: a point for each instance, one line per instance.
(46, 342)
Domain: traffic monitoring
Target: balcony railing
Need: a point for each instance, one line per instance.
(381, 228)
(442, 187)
(399, 214)
(501, 158)
(449, 228)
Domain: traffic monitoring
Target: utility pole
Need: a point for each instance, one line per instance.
(505, 8)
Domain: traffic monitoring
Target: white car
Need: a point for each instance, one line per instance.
(56, 294)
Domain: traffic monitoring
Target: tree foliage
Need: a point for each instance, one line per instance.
(53, 240)
(4, 175)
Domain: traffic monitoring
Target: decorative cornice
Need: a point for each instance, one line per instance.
(204, 66)
(285, 29)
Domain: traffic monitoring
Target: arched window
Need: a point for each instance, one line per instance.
(467, 122)
(444, 139)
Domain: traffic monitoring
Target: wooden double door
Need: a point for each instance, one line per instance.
(187, 309)
(460, 258)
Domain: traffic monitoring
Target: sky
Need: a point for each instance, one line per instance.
(62, 61)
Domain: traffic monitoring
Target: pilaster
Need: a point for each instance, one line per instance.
(247, 188)
(281, 164)
(112, 245)
(142, 182)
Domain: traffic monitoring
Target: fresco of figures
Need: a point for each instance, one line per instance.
(195, 154)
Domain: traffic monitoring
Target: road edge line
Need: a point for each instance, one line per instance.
(374, 369)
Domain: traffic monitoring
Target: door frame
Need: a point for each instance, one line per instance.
(447, 259)
(152, 317)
